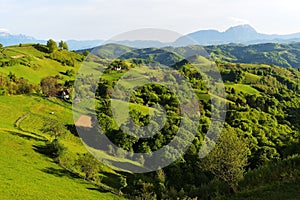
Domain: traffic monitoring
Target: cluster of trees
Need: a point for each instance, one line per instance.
(260, 128)
(118, 65)
(52, 45)
(11, 85)
(51, 87)
(61, 54)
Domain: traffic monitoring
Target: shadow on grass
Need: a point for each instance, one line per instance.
(65, 173)
(72, 129)
(100, 189)
(111, 180)
(60, 173)
(42, 149)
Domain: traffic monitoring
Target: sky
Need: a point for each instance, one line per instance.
(103, 19)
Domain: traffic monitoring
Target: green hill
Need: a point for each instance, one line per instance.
(33, 63)
(284, 55)
(27, 174)
(262, 103)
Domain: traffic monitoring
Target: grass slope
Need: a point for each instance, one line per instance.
(26, 174)
(38, 65)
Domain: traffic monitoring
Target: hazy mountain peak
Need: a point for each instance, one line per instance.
(241, 28)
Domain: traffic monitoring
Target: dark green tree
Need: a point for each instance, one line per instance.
(63, 45)
(52, 46)
(54, 128)
(89, 166)
(228, 159)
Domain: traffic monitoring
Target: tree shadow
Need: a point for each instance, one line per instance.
(111, 180)
(42, 149)
(72, 129)
(65, 173)
(60, 172)
(100, 189)
(41, 48)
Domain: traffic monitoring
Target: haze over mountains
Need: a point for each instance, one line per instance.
(242, 34)
(8, 39)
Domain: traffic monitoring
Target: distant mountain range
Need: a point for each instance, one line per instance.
(242, 34)
(8, 39)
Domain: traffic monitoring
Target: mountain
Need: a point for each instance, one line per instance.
(243, 34)
(83, 44)
(8, 39)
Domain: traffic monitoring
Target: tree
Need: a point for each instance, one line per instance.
(63, 45)
(52, 46)
(1, 45)
(54, 128)
(70, 72)
(123, 183)
(228, 159)
(88, 165)
(49, 86)
(54, 149)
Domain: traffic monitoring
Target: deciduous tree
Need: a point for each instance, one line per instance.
(228, 159)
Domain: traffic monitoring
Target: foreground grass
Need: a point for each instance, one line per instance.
(26, 174)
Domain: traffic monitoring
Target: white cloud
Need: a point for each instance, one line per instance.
(4, 30)
(237, 21)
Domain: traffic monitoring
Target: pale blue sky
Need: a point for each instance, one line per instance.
(102, 19)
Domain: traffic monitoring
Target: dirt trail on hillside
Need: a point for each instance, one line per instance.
(84, 121)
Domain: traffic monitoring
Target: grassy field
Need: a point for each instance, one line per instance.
(14, 107)
(26, 174)
(251, 78)
(39, 65)
(243, 88)
(38, 177)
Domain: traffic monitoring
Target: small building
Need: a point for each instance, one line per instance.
(64, 94)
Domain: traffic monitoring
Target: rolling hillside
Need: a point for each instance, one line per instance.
(262, 102)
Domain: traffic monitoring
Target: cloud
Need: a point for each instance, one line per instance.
(236, 20)
(4, 30)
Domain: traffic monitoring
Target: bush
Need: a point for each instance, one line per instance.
(54, 149)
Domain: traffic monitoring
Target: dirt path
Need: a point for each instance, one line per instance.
(84, 121)
(18, 56)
